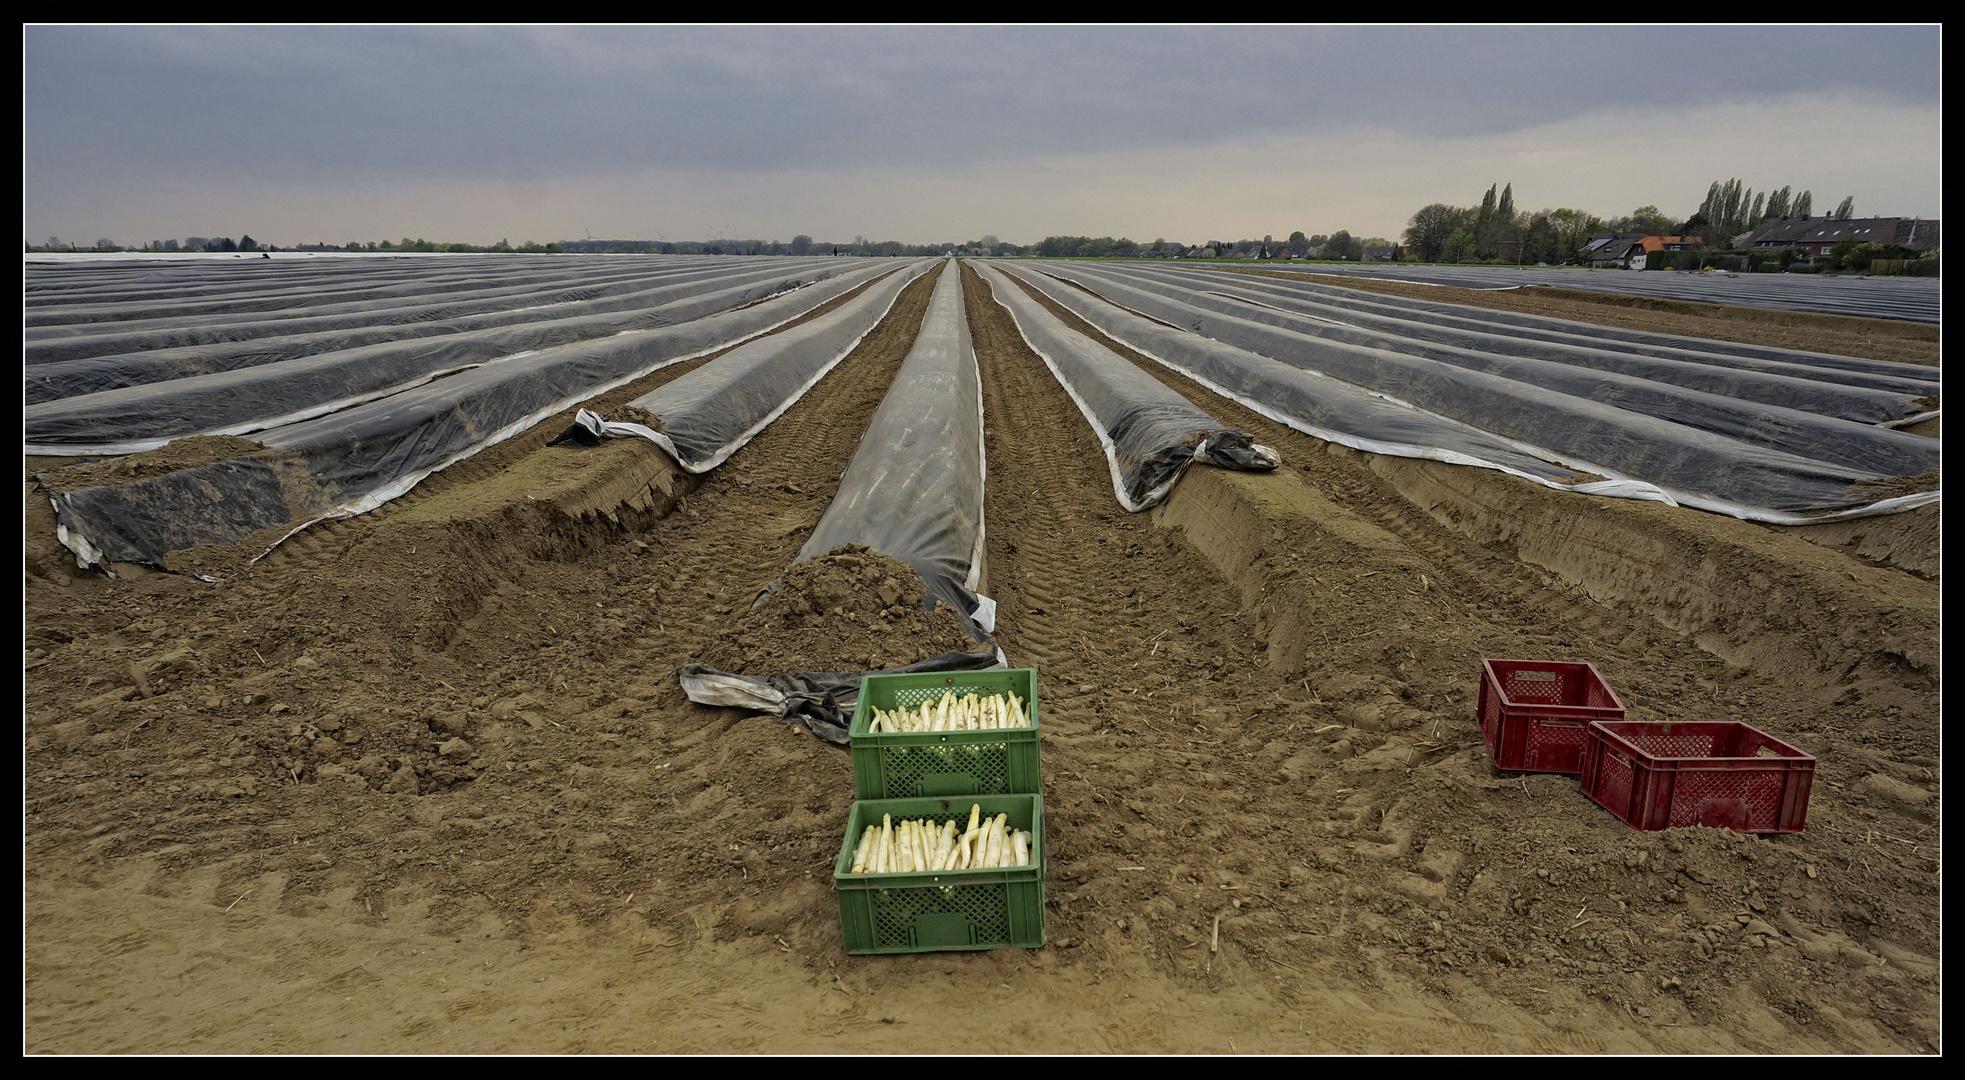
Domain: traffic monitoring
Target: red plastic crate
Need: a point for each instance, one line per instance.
(1721, 774)
(1535, 714)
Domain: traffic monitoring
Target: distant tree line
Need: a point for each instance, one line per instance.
(1731, 208)
(1495, 231)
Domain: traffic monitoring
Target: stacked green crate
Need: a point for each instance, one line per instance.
(941, 775)
(904, 765)
(937, 910)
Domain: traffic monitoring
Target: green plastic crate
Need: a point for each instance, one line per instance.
(943, 910)
(906, 765)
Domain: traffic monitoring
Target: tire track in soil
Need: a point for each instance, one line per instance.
(1477, 584)
(1145, 666)
(740, 532)
(595, 641)
(778, 797)
(1376, 758)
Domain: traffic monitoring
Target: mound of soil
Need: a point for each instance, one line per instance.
(179, 454)
(852, 609)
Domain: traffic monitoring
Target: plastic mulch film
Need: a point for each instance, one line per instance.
(1150, 433)
(1742, 459)
(81, 330)
(913, 491)
(710, 413)
(420, 339)
(1738, 407)
(821, 702)
(355, 460)
(1314, 404)
(1862, 397)
(1520, 326)
(136, 294)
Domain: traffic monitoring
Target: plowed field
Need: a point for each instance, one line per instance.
(423, 781)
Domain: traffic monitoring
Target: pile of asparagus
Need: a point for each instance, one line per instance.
(923, 845)
(951, 713)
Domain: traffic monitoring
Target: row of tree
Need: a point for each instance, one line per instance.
(1730, 208)
(1495, 231)
(192, 243)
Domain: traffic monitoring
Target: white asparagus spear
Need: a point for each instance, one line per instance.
(970, 836)
(948, 836)
(865, 849)
(1020, 848)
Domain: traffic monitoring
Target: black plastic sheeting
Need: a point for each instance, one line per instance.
(710, 413)
(821, 702)
(1521, 326)
(1790, 429)
(137, 418)
(1863, 397)
(532, 321)
(913, 491)
(1752, 461)
(1312, 403)
(1916, 299)
(312, 293)
(352, 461)
(1150, 433)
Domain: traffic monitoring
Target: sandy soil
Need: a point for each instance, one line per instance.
(423, 782)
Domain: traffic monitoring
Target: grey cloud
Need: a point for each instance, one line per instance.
(365, 103)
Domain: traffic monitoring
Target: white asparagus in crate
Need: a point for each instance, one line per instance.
(922, 844)
(967, 712)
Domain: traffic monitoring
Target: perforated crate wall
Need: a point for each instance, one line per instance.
(1724, 775)
(895, 765)
(951, 910)
(1535, 714)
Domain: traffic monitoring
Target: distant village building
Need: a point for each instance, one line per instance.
(1817, 235)
(1630, 252)
(1622, 252)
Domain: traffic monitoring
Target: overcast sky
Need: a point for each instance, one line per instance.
(925, 134)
